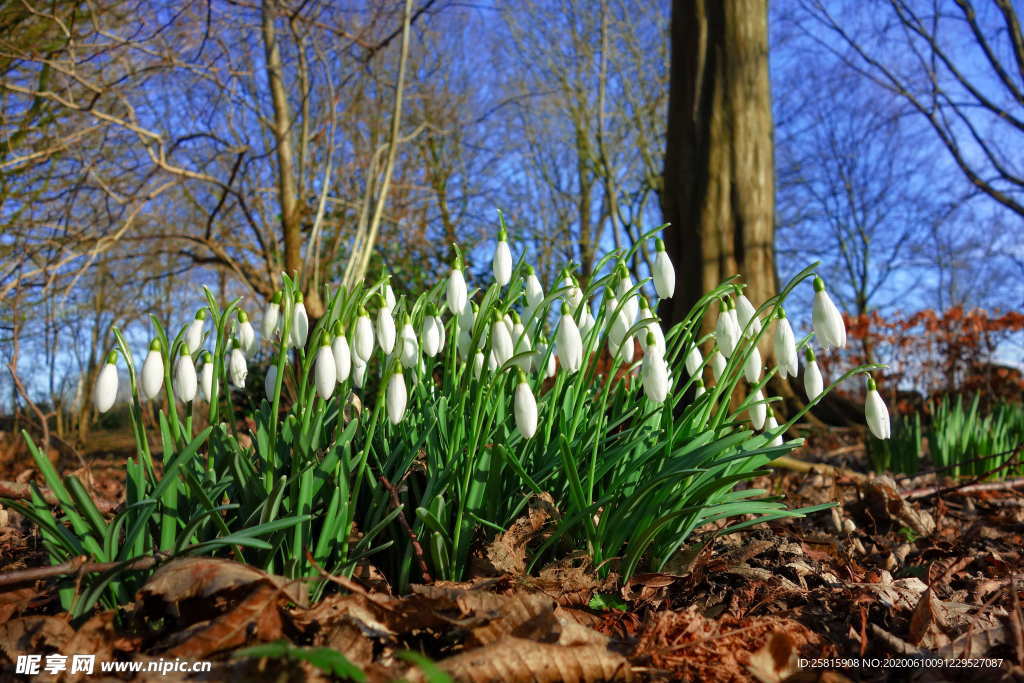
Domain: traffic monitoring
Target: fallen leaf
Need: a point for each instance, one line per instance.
(256, 618)
(204, 577)
(507, 553)
(776, 660)
(34, 635)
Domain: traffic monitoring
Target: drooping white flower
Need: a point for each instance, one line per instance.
(534, 292)
(206, 377)
(300, 323)
(574, 295)
(771, 425)
(246, 334)
(525, 408)
(185, 381)
(432, 335)
(325, 371)
(466, 321)
(478, 364)
(153, 371)
(520, 343)
(104, 392)
(194, 335)
(270, 382)
(747, 314)
(342, 353)
(758, 410)
(501, 340)
(456, 294)
(237, 368)
(663, 272)
(727, 333)
(542, 360)
(272, 316)
(752, 367)
(694, 360)
(876, 413)
(784, 343)
(569, 344)
(655, 376)
(409, 346)
(358, 371)
(813, 383)
(586, 322)
(617, 325)
(396, 397)
(828, 321)
(362, 342)
(492, 362)
(630, 306)
(389, 297)
(653, 327)
(502, 261)
(386, 332)
(717, 364)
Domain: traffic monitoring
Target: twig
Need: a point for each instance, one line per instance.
(968, 487)
(18, 491)
(79, 565)
(795, 465)
(417, 549)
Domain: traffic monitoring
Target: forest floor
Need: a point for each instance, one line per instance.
(906, 579)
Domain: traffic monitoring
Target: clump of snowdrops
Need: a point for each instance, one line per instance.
(414, 429)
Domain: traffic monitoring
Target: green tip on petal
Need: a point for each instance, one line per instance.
(782, 313)
(871, 384)
(201, 314)
(185, 351)
(363, 313)
(155, 345)
(515, 317)
(276, 299)
(809, 354)
(207, 357)
(819, 284)
(338, 329)
(112, 358)
(659, 244)
(242, 316)
(407, 320)
(529, 269)
(521, 376)
(298, 297)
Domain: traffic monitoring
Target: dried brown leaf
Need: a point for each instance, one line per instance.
(776, 660)
(256, 618)
(34, 635)
(204, 577)
(885, 502)
(507, 553)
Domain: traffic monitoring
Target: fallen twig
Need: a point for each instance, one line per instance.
(79, 565)
(965, 488)
(796, 465)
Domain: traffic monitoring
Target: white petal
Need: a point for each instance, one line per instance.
(502, 263)
(342, 358)
(206, 381)
(363, 341)
(655, 377)
(758, 411)
(396, 398)
(194, 335)
(877, 415)
(326, 372)
(237, 368)
(271, 317)
(501, 342)
(717, 364)
(300, 326)
(270, 382)
(693, 360)
(152, 374)
(185, 381)
(385, 330)
(569, 345)
(525, 410)
(358, 372)
(664, 275)
(828, 321)
(410, 349)
(813, 383)
(534, 291)
(456, 294)
(745, 313)
(105, 390)
(246, 337)
(784, 344)
(752, 368)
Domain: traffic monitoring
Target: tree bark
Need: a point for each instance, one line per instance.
(718, 190)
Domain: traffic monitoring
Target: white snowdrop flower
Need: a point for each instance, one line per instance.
(104, 392)
(502, 261)
(569, 344)
(440, 331)
(342, 353)
(358, 371)
(771, 425)
(876, 413)
(492, 362)
(194, 334)
(409, 346)
(717, 364)
(828, 321)
(501, 340)
(456, 294)
(726, 330)
(432, 335)
(520, 343)
(586, 322)
(758, 410)
(386, 332)
(699, 389)
(655, 376)
(478, 364)
(752, 367)
(574, 295)
(389, 297)
(654, 327)
(631, 306)
(272, 316)
(509, 324)
(206, 377)
(396, 398)
(813, 383)
(300, 323)
(237, 369)
(534, 292)
(617, 325)
(362, 342)
(747, 314)
(185, 381)
(784, 343)
(153, 371)
(525, 408)
(663, 272)
(694, 360)
(270, 383)
(325, 371)
(627, 350)
(246, 333)
(466, 321)
(539, 360)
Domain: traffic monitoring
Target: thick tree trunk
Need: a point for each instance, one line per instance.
(718, 190)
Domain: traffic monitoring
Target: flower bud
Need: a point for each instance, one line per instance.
(478, 364)
(784, 343)
(300, 323)
(185, 381)
(663, 272)
(694, 360)
(153, 371)
(569, 344)
(409, 348)
(726, 330)
(746, 314)
(876, 413)
(456, 294)
(771, 425)
(752, 366)
(828, 321)
(525, 408)
(655, 376)
(246, 334)
(502, 262)
(717, 364)
(396, 398)
(534, 293)
(385, 329)
(758, 410)
(699, 389)
(501, 340)
(813, 383)
(270, 383)
(272, 316)
(104, 392)
(194, 335)
(237, 368)
(325, 371)
(206, 377)
(342, 353)
(362, 344)
(358, 371)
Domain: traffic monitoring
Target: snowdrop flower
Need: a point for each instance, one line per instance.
(185, 381)
(409, 346)
(358, 371)
(771, 425)
(342, 353)
(246, 334)
(654, 327)
(325, 371)
(478, 364)
(466, 321)
(385, 328)
(525, 408)
(502, 262)
(699, 389)
(586, 321)
(501, 340)
(784, 343)
(752, 367)
(206, 377)
(539, 359)
(396, 397)
(104, 392)
(300, 323)
(456, 294)
(237, 369)
(758, 410)
(828, 321)
(520, 343)
(617, 325)
(432, 334)
(876, 413)
(194, 335)
(717, 364)
(270, 383)
(574, 295)
(362, 343)
(655, 375)
(694, 360)
(153, 371)
(389, 296)
(569, 344)
(663, 272)
(631, 306)
(534, 292)
(813, 383)
(272, 316)
(727, 333)
(746, 316)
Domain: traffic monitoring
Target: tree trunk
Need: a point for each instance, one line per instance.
(718, 190)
